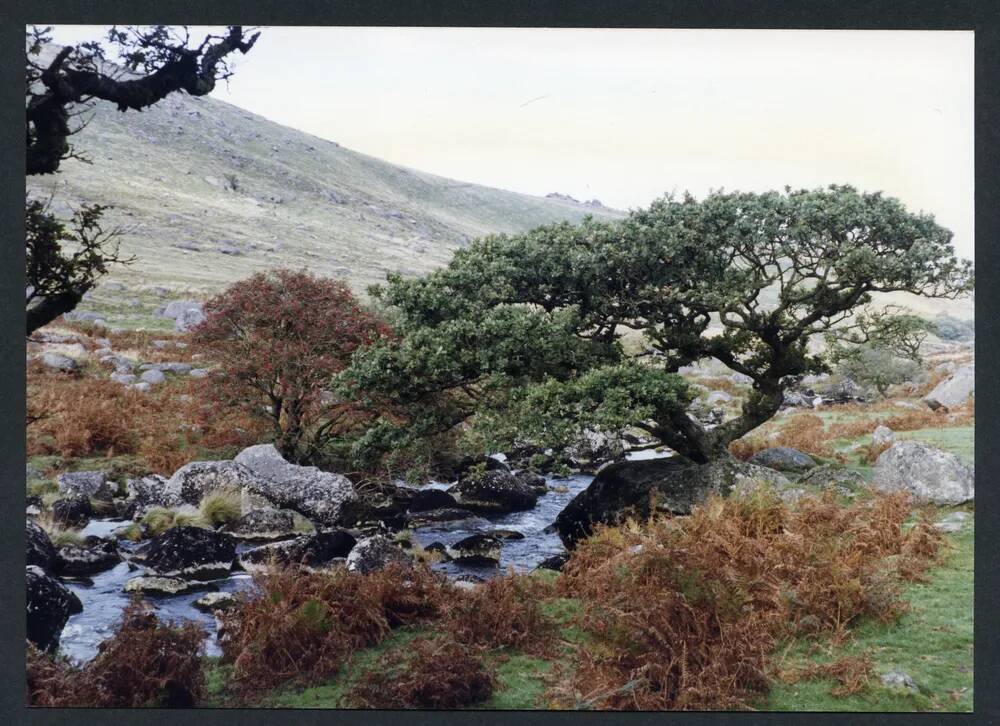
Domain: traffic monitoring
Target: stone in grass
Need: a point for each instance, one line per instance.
(898, 679)
(953, 522)
(929, 474)
(555, 562)
(59, 362)
(476, 549)
(783, 458)
(153, 377)
(883, 435)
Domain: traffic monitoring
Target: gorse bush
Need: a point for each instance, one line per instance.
(686, 611)
(143, 663)
(436, 673)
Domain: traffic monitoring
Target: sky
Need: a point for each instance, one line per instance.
(624, 116)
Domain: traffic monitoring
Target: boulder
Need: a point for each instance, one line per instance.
(264, 524)
(929, 474)
(481, 550)
(638, 489)
(798, 399)
(899, 680)
(94, 555)
(534, 481)
(426, 500)
(192, 481)
(595, 448)
(198, 373)
(148, 492)
(191, 553)
(326, 498)
(844, 390)
(49, 605)
(555, 562)
(311, 551)
(38, 548)
(177, 308)
(212, 601)
(123, 378)
(374, 553)
(188, 319)
(883, 435)
(784, 459)
(749, 478)
(495, 492)
(155, 585)
(73, 511)
(953, 391)
(846, 482)
(85, 483)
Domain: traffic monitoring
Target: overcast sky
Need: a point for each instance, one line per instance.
(626, 115)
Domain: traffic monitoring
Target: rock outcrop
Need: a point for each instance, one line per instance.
(929, 474)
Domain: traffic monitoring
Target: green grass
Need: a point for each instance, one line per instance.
(933, 643)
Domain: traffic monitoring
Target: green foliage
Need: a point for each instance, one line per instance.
(877, 367)
(526, 330)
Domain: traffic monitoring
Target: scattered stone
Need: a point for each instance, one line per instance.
(783, 458)
(883, 435)
(123, 377)
(324, 497)
(198, 373)
(476, 550)
(374, 553)
(153, 377)
(311, 551)
(191, 552)
(929, 474)
(59, 362)
(898, 679)
(954, 391)
(953, 523)
(159, 344)
(49, 605)
(846, 482)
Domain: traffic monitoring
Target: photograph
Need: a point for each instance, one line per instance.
(498, 368)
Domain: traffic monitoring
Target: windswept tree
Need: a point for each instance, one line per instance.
(279, 340)
(525, 336)
(61, 86)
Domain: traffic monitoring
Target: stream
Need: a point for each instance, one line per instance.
(103, 597)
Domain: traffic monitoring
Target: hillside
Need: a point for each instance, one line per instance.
(210, 193)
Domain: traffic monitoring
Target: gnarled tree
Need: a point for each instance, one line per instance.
(524, 333)
(155, 61)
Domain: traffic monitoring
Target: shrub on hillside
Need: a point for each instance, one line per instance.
(279, 339)
(144, 663)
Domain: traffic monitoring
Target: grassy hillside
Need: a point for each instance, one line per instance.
(210, 193)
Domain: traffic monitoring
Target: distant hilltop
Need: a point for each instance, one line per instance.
(567, 198)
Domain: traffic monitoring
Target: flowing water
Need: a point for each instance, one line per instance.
(103, 597)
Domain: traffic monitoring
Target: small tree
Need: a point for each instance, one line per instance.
(279, 339)
(63, 261)
(527, 333)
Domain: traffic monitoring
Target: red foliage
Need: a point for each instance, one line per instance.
(279, 339)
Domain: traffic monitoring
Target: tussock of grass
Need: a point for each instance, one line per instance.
(159, 519)
(221, 507)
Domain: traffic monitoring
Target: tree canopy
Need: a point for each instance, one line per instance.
(531, 332)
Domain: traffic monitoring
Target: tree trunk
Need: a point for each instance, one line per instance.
(48, 309)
